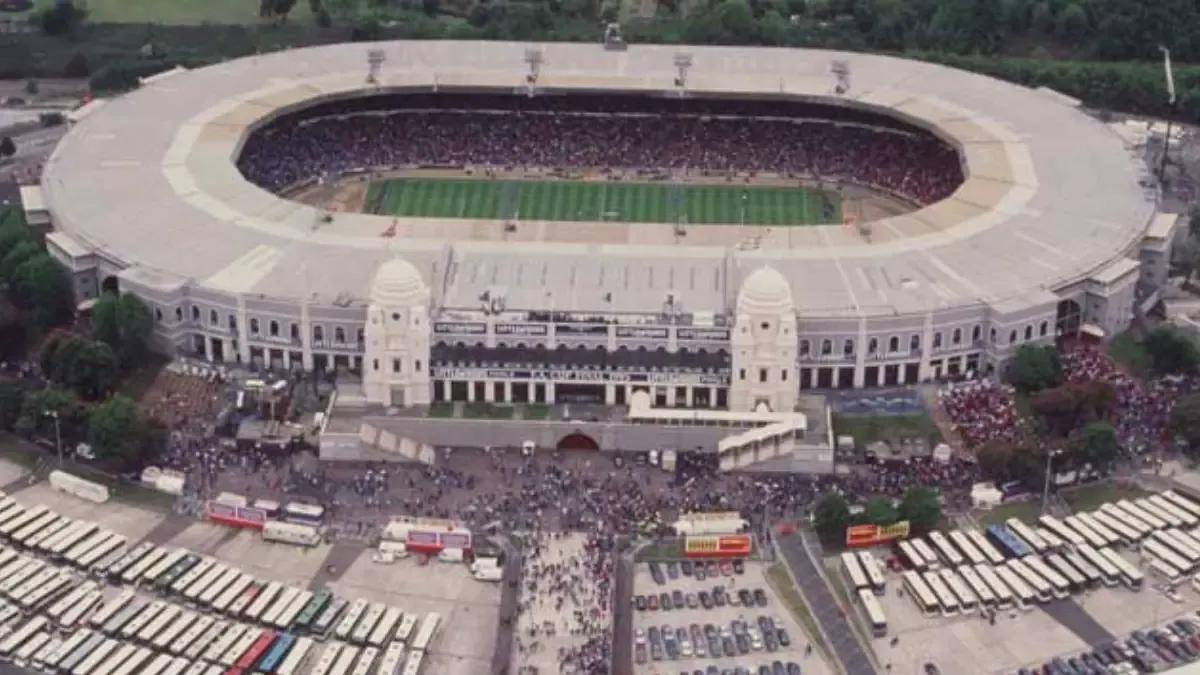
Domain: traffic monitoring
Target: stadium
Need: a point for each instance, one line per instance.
(720, 228)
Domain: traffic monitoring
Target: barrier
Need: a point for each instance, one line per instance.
(718, 546)
(862, 536)
(74, 485)
(235, 516)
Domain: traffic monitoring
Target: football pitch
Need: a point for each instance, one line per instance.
(603, 201)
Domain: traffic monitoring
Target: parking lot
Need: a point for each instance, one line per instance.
(716, 621)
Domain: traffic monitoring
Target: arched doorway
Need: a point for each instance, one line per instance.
(1070, 316)
(577, 441)
(110, 285)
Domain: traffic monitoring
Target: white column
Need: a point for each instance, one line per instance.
(687, 393)
(550, 392)
(670, 396)
(860, 355)
(243, 330)
(287, 360)
(610, 394)
(208, 348)
(306, 353)
(489, 393)
(712, 397)
(923, 370)
(470, 391)
(508, 391)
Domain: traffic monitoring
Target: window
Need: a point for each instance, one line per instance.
(804, 347)
(360, 335)
(195, 313)
(937, 340)
(395, 316)
(742, 374)
(872, 345)
(395, 365)
(339, 335)
(318, 334)
(848, 347)
(992, 335)
(766, 325)
(1012, 336)
(179, 314)
(158, 315)
(762, 374)
(1028, 332)
(273, 328)
(254, 326)
(375, 364)
(417, 366)
(232, 322)
(294, 331)
(783, 375)
(914, 343)
(826, 347)
(956, 336)
(213, 317)
(1043, 329)
(893, 344)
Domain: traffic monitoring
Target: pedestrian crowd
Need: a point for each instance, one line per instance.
(981, 411)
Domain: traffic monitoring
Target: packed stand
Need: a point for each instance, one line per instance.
(650, 135)
(981, 411)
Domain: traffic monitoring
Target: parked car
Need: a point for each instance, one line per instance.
(677, 598)
(664, 599)
(686, 567)
(639, 602)
(727, 568)
(760, 597)
(673, 570)
(691, 601)
(657, 574)
(652, 602)
(739, 566)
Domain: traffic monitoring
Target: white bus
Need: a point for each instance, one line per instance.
(304, 514)
(966, 599)
(59, 524)
(214, 590)
(63, 541)
(1074, 577)
(1059, 586)
(1189, 519)
(93, 552)
(328, 657)
(366, 660)
(393, 656)
(926, 551)
(872, 610)
(1118, 526)
(948, 552)
(239, 647)
(1181, 501)
(281, 603)
(1157, 549)
(1129, 574)
(23, 657)
(158, 665)
(141, 619)
(1063, 532)
(60, 606)
(977, 586)
(1167, 571)
(853, 571)
(203, 581)
(413, 665)
(911, 556)
(918, 590)
(35, 525)
(426, 632)
(55, 657)
(130, 662)
(7, 556)
(1150, 519)
(74, 657)
(9, 509)
(345, 661)
(1000, 591)
(288, 616)
(1181, 543)
(972, 553)
(224, 641)
(9, 527)
(294, 662)
(163, 564)
(60, 583)
(407, 626)
(362, 630)
(193, 573)
(159, 623)
(43, 575)
(173, 629)
(350, 619)
(291, 533)
(1026, 534)
(96, 657)
(235, 590)
(1106, 533)
(140, 565)
(386, 626)
(193, 642)
(1039, 585)
(17, 576)
(1109, 574)
(1126, 518)
(1165, 516)
(874, 571)
(945, 597)
(263, 600)
(110, 609)
(1087, 568)
(989, 551)
(15, 639)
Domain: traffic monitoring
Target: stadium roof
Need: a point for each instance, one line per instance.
(1051, 195)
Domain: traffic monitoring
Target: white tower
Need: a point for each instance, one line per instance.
(396, 361)
(764, 344)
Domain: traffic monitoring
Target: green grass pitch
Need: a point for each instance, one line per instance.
(603, 201)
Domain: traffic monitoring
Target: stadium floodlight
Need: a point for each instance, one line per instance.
(534, 59)
(613, 40)
(841, 75)
(683, 62)
(375, 59)
(1169, 73)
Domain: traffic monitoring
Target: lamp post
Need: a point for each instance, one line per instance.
(1050, 455)
(57, 435)
(1170, 76)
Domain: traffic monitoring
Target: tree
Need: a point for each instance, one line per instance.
(33, 421)
(41, 286)
(1034, 368)
(12, 398)
(275, 9)
(880, 511)
(430, 7)
(831, 517)
(118, 432)
(995, 460)
(1185, 423)
(15, 257)
(922, 508)
(77, 66)
(1097, 444)
(87, 367)
(1072, 23)
(7, 147)
(61, 18)
(1171, 352)
(125, 324)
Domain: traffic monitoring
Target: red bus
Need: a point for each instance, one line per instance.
(256, 651)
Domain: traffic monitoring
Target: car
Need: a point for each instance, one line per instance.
(745, 596)
(712, 670)
(777, 668)
(728, 647)
(686, 567)
(711, 569)
(932, 669)
(760, 597)
(793, 668)
(652, 602)
(656, 651)
(681, 634)
(699, 572)
(706, 600)
(677, 598)
(640, 603)
(719, 599)
(685, 648)
(727, 568)
(673, 570)
(769, 641)
(699, 647)
(639, 636)
(733, 600)
(742, 643)
(737, 626)
(691, 601)
(756, 642)
(764, 623)
(714, 647)
(739, 566)
(653, 635)
(664, 599)
(764, 670)
(657, 574)
(640, 653)
(782, 636)
(710, 631)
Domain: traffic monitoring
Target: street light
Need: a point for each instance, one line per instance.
(57, 435)
(1050, 455)
(1169, 73)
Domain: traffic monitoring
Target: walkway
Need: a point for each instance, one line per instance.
(824, 606)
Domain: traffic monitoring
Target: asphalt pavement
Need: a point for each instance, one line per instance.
(824, 606)
(1075, 618)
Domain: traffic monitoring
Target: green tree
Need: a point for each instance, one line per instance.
(7, 147)
(880, 511)
(11, 235)
(87, 367)
(77, 66)
(34, 421)
(1097, 444)
(1171, 352)
(41, 286)
(922, 508)
(17, 255)
(275, 9)
(1072, 23)
(1034, 368)
(12, 398)
(118, 432)
(125, 324)
(831, 517)
(1185, 423)
(60, 18)
(995, 460)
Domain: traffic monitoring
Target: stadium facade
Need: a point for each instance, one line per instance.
(1054, 229)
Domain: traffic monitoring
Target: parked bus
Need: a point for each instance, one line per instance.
(328, 618)
(257, 650)
(1180, 543)
(307, 616)
(275, 656)
(1126, 518)
(158, 665)
(174, 630)
(189, 575)
(1000, 590)
(1105, 532)
(946, 598)
(1150, 519)
(37, 660)
(1167, 571)
(281, 602)
(99, 655)
(1032, 540)
(288, 616)
(1118, 526)
(203, 581)
(945, 550)
(76, 656)
(426, 632)
(1129, 574)
(1084, 530)
(74, 614)
(15, 639)
(1188, 518)
(60, 606)
(96, 549)
(133, 662)
(61, 582)
(10, 527)
(1156, 549)
(1075, 578)
(366, 661)
(1039, 585)
(413, 665)
(362, 630)
(393, 656)
(345, 661)
(110, 609)
(232, 592)
(159, 623)
(407, 626)
(197, 637)
(226, 578)
(1067, 534)
(118, 568)
(32, 527)
(224, 641)
(385, 628)
(1059, 586)
(247, 597)
(917, 589)
(291, 533)
(977, 586)
(241, 646)
(122, 618)
(139, 621)
(926, 551)
(1181, 501)
(874, 572)
(28, 568)
(973, 555)
(908, 553)
(263, 600)
(852, 568)
(59, 524)
(304, 514)
(297, 657)
(23, 656)
(967, 601)
(1165, 516)
(325, 664)
(350, 619)
(162, 565)
(54, 659)
(990, 553)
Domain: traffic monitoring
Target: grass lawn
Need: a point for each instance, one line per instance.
(1091, 497)
(781, 582)
(867, 429)
(11, 214)
(602, 201)
(536, 411)
(1126, 350)
(1027, 511)
(182, 12)
(662, 549)
(488, 411)
(441, 410)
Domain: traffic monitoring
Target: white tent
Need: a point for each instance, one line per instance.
(985, 495)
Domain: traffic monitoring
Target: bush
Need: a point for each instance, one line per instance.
(77, 66)
(124, 75)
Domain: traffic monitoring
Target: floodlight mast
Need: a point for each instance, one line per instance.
(375, 60)
(683, 63)
(1169, 74)
(534, 59)
(841, 76)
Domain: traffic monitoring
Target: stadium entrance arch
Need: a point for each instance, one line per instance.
(1069, 319)
(110, 285)
(577, 441)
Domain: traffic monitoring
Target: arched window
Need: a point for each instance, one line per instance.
(318, 334)
(375, 364)
(872, 345)
(179, 314)
(893, 344)
(1028, 332)
(158, 314)
(359, 335)
(417, 366)
(274, 328)
(956, 336)
(937, 340)
(195, 313)
(339, 335)
(254, 326)
(804, 348)
(1043, 329)
(213, 317)
(1012, 336)
(914, 343)
(977, 334)
(232, 322)
(848, 347)
(395, 365)
(826, 347)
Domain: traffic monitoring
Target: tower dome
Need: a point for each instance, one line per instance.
(398, 284)
(765, 291)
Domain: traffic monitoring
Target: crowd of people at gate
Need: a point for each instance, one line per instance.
(981, 411)
(908, 163)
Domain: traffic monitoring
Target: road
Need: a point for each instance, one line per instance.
(824, 606)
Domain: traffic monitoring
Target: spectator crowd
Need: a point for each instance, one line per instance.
(981, 411)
